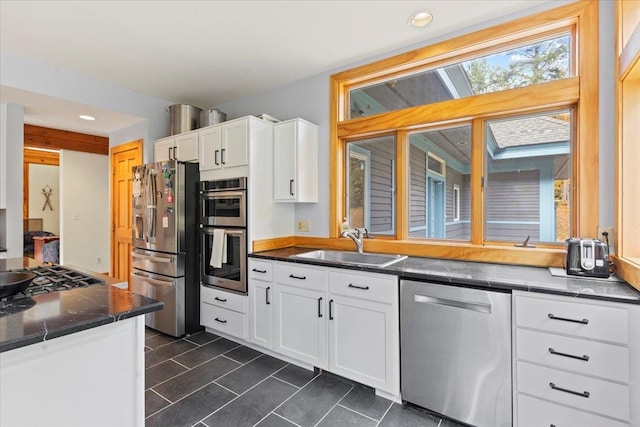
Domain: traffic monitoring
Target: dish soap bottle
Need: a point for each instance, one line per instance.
(345, 225)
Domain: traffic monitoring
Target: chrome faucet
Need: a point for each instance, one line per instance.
(357, 236)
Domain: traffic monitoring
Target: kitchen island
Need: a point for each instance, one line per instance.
(73, 357)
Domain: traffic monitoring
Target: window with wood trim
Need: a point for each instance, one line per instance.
(495, 137)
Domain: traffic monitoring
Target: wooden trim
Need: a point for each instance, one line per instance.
(628, 270)
(336, 162)
(41, 137)
(559, 93)
(402, 185)
(274, 243)
(540, 257)
(477, 190)
(34, 157)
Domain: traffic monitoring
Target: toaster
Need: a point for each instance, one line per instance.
(587, 257)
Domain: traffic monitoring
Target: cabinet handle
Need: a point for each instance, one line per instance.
(222, 156)
(298, 277)
(566, 319)
(266, 295)
(330, 309)
(170, 149)
(221, 321)
(320, 307)
(291, 187)
(220, 299)
(577, 393)
(364, 288)
(573, 356)
(215, 157)
(259, 271)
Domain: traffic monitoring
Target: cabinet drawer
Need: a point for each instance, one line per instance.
(223, 299)
(534, 412)
(223, 320)
(261, 270)
(364, 286)
(603, 360)
(604, 397)
(574, 318)
(305, 277)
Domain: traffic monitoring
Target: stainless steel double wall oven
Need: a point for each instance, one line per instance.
(223, 211)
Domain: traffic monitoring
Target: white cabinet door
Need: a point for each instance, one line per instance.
(261, 313)
(186, 148)
(210, 145)
(235, 141)
(295, 161)
(284, 161)
(163, 149)
(300, 324)
(361, 341)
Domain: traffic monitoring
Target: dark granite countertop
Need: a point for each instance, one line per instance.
(483, 275)
(47, 316)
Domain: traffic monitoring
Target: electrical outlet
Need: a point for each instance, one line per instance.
(99, 260)
(304, 225)
(610, 237)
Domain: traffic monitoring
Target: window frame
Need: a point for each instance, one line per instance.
(579, 92)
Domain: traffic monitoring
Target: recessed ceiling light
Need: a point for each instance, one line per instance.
(420, 19)
(86, 117)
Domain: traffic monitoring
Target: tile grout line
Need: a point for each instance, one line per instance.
(286, 382)
(336, 404)
(284, 418)
(385, 413)
(297, 391)
(189, 369)
(356, 412)
(184, 366)
(170, 402)
(228, 389)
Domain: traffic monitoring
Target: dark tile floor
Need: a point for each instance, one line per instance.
(204, 381)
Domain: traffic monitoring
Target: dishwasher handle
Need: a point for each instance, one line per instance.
(473, 306)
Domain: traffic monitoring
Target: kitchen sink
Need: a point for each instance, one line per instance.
(355, 258)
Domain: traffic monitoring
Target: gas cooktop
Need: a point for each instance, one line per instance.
(53, 278)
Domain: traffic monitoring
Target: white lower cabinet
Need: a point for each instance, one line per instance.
(574, 362)
(343, 321)
(223, 311)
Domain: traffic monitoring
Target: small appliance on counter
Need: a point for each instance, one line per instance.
(587, 257)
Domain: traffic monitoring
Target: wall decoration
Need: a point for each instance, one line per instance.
(47, 192)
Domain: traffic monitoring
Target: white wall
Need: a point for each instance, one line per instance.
(41, 176)
(309, 99)
(12, 134)
(84, 215)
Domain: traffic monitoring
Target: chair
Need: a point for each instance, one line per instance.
(51, 252)
(28, 244)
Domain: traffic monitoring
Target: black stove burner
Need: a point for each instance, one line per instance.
(53, 279)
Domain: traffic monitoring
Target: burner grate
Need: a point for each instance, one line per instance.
(53, 278)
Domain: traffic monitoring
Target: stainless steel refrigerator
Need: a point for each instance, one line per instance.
(165, 243)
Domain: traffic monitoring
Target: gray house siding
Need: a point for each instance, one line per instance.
(460, 230)
(382, 192)
(418, 186)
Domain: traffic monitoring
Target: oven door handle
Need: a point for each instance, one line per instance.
(209, 231)
(215, 194)
(153, 258)
(152, 281)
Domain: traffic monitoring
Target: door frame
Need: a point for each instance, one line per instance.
(113, 151)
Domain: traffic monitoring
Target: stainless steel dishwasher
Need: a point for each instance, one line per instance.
(456, 352)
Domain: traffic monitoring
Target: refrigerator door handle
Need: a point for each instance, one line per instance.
(152, 281)
(153, 258)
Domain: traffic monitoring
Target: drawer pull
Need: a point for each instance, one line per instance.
(577, 393)
(259, 271)
(320, 307)
(293, 276)
(220, 299)
(573, 356)
(330, 310)
(566, 319)
(221, 321)
(364, 288)
(266, 295)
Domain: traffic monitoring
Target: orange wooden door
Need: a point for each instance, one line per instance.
(123, 158)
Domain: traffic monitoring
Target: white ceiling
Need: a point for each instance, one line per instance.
(205, 53)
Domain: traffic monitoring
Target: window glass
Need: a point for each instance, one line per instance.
(535, 62)
(528, 178)
(439, 183)
(371, 184)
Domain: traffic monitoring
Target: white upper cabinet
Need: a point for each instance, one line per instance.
(225, 145)
(295, 161)
(182, 147)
